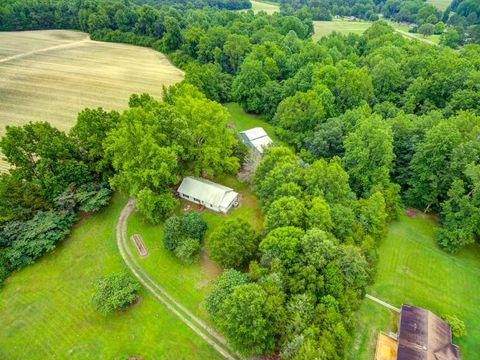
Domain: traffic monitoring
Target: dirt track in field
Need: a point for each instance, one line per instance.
(52, 75)
(198, 326)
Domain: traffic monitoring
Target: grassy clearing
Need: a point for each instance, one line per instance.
(244, 121)
(45, 310)
(413, 270)
(268, 7)
(325, 28)
(441, 4)
(190, 284)
(55, 85)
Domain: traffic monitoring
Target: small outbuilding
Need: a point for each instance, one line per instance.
(257, 140)
(213, 196)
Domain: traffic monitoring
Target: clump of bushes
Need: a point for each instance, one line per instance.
(457, 325)
(233, 244)
(183, 235)
(115, 292)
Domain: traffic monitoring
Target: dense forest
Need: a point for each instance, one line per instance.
(369, 123)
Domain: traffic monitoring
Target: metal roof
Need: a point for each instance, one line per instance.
(254, 133)
(258, 138)
(424, 336)
(207, 191)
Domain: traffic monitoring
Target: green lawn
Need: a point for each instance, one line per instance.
(441, 4)
(45, 311)
(267, 6)
(190, 284)
(244, 121)
(413, 270)
(325, 28)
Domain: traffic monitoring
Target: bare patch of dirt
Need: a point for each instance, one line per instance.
(209, 267)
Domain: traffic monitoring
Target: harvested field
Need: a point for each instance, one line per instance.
(52, 75)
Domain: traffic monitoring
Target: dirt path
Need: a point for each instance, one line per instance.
(407, 34)
(383, 303)
(213, 338)
(28, 53)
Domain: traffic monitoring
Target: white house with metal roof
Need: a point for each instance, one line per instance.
(207, 193)
(257, 140)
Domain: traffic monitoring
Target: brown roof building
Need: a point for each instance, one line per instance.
(424, 336)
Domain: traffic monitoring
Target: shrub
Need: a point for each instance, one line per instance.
(114, 292)
(193, 225)
(457, 325)
(92, 197)
(172, 233)
(187, 250)
(223, 288)
(233, 244)
(27, 241)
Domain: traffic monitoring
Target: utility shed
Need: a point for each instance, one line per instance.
(207, 193)
(424, 336)
(257, 140)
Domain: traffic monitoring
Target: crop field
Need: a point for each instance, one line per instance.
(52, 75)
(269, 8)
(45, 309)
(413, 270)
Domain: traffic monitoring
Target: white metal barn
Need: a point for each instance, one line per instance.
(204, 192)
(257, 140)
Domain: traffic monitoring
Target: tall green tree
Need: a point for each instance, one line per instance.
(369, 155)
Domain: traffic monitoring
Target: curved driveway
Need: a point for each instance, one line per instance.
(199, 327)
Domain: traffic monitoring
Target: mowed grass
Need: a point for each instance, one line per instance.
(45, 310)
(440, 4)
(268, 7)
(413, 270)
(55, 85)
(190, 284)
(244, 121)
(325, 28)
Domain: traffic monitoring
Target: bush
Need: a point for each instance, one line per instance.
(115, 292)
(27, 241)
(92, 197)
(187, 250)
(155, 207)
(233, 244)
(182, 235)
(223, 288)
(193, 225)
(457, 325)
(172, 233)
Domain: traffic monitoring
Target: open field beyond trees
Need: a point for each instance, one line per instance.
(325, 28)
(441, 4)
(413, 270)
(269, 8)
(45, 309)
(52, 75)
